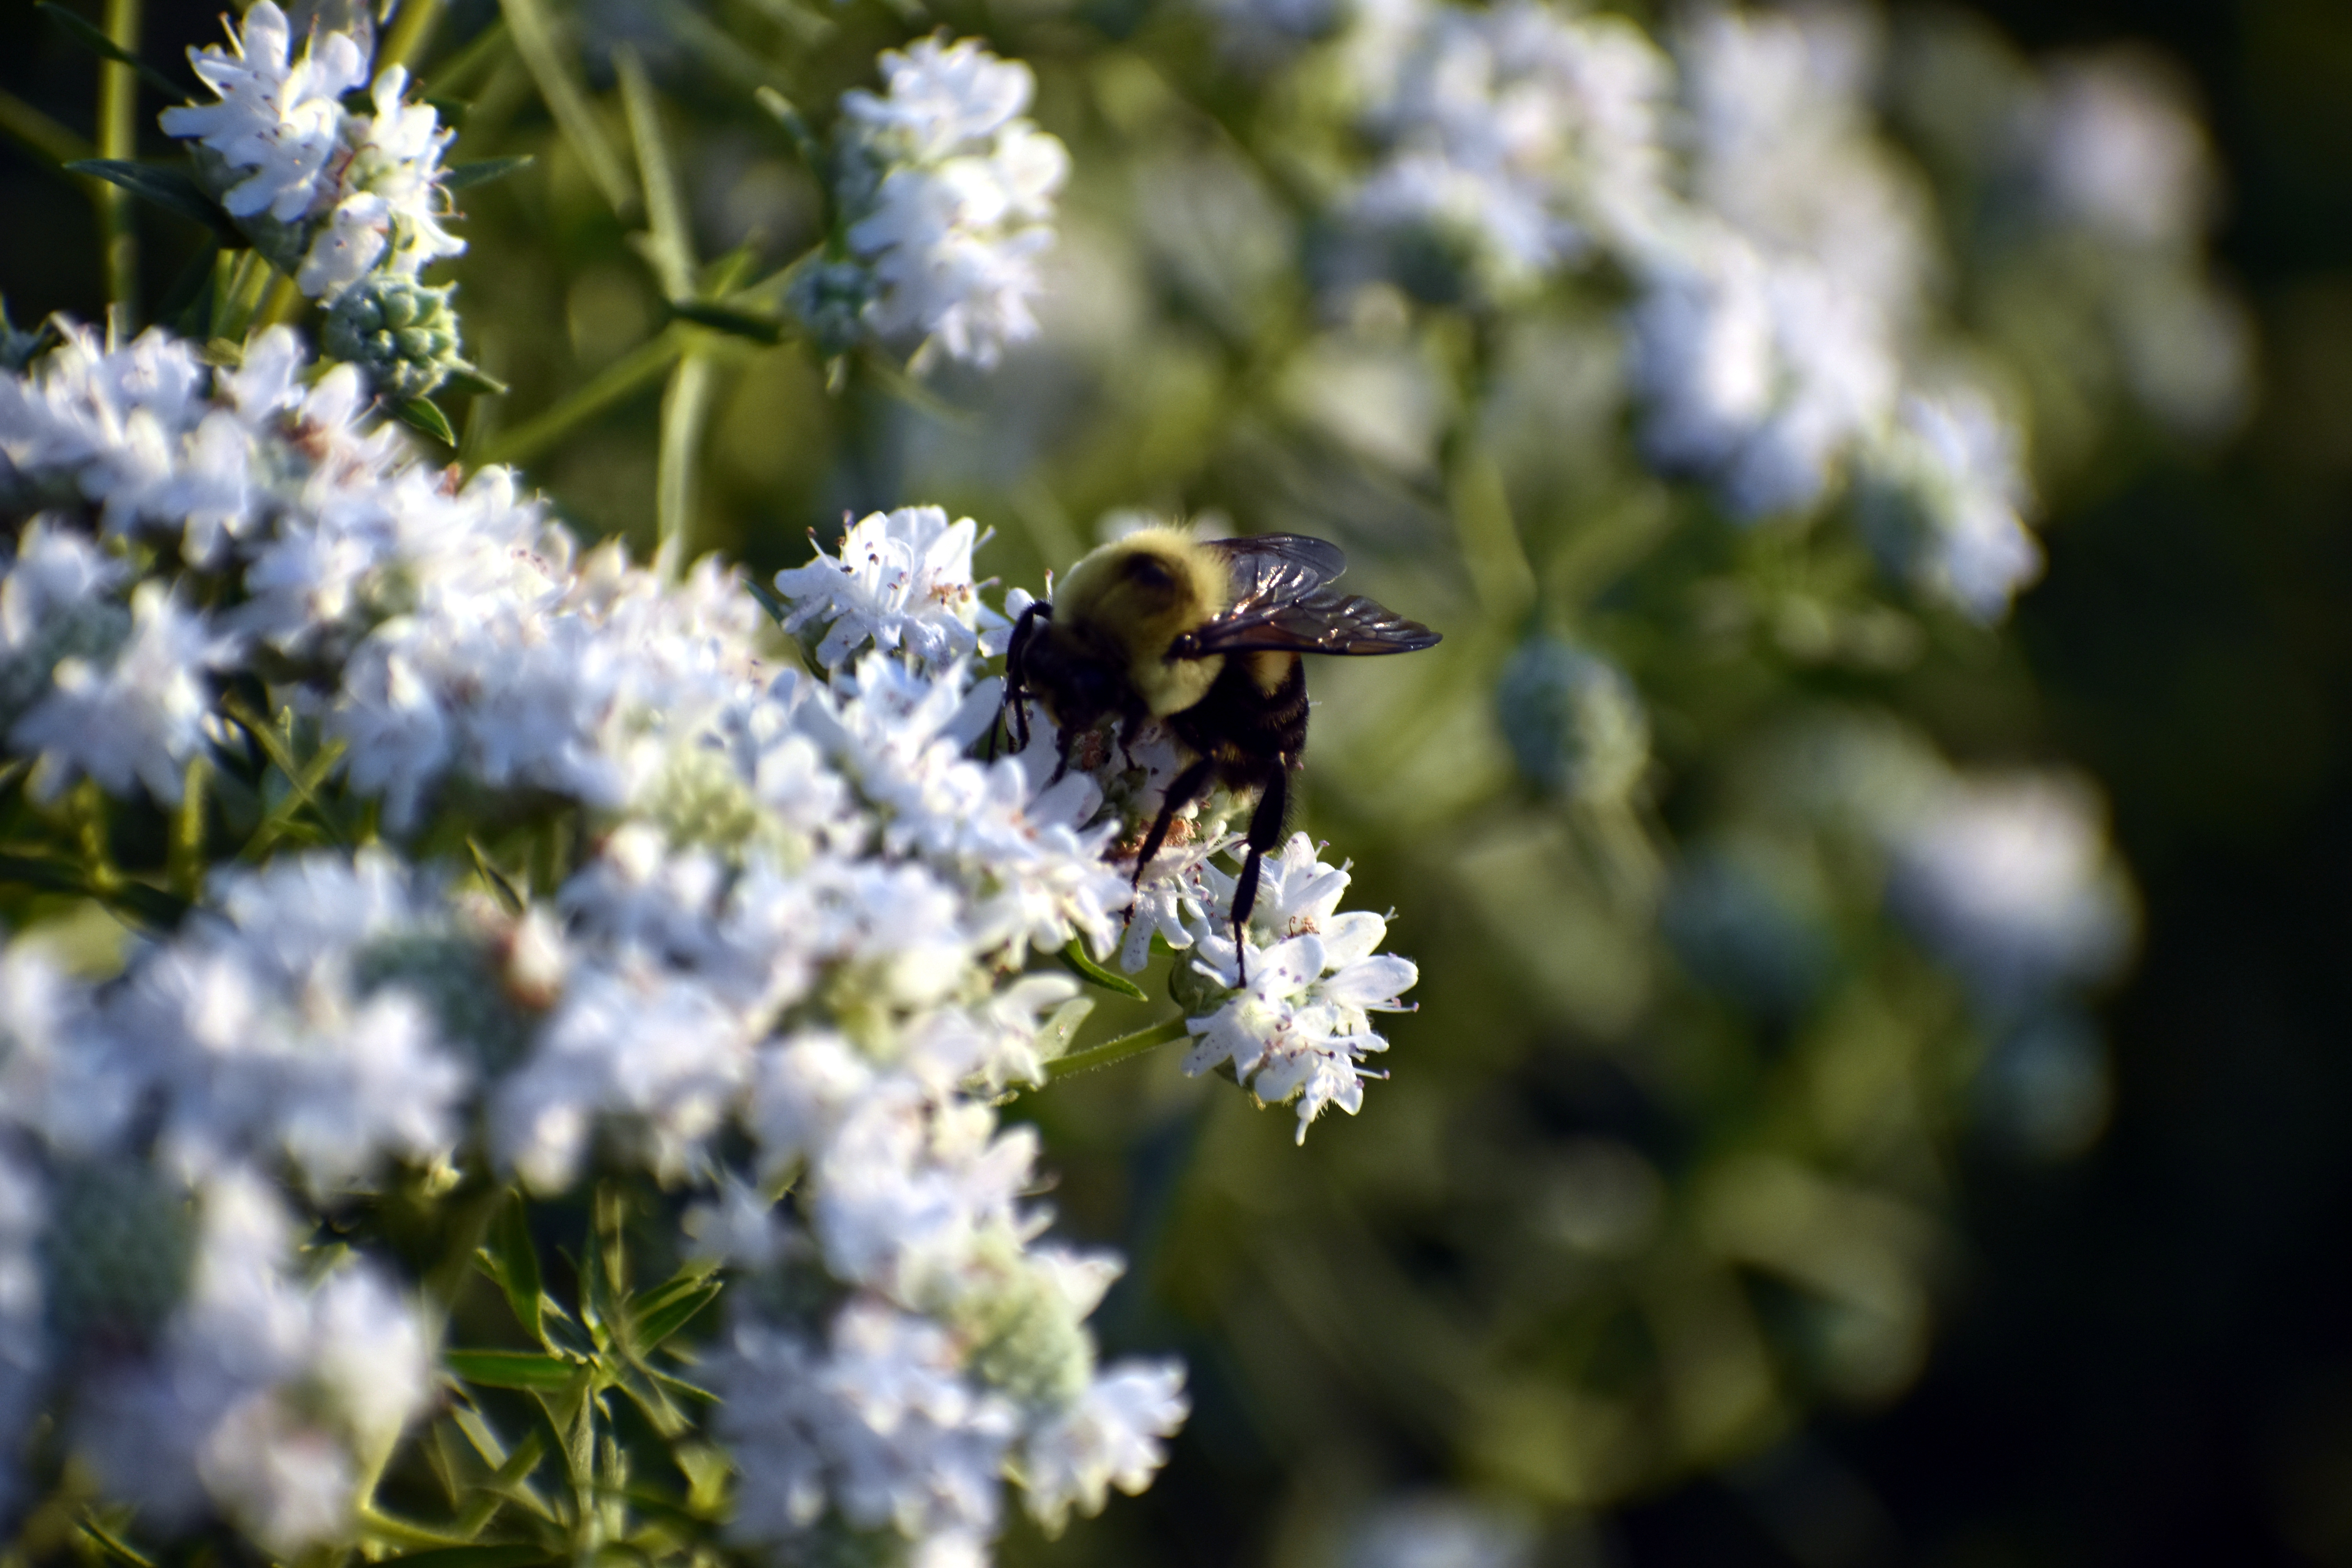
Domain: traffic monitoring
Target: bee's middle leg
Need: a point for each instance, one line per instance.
(1265, 834)
(1182, 790)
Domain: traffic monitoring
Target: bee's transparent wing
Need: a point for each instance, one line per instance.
(1275, 569)
(1282, 603)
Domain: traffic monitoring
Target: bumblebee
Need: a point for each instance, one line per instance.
(1204, 635)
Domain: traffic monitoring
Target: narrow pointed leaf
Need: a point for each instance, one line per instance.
(482, 171)
(653, 1327)
(770, 329)
(113, 1546)
(167, 185)
(96, 41)
(474, 378)
(1087, 970)
(509, 898)
(517, 1263)
(769, 600)
(419, 413)
(513, 1369)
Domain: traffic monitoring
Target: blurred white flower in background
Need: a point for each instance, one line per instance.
(2010, 879)
(950, 197)
(1942, 501)
(1520, 134)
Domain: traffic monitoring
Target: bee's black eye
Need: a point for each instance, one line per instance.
(1148, 572)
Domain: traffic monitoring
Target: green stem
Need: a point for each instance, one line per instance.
(686, 409)
(408, 33)
(672, 248)
(117, 137)
(456, 73)
(544, 57)
(618, 381)
(1114, 1051)
(22, 122)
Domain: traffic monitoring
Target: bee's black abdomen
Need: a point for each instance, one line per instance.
(1250, 732)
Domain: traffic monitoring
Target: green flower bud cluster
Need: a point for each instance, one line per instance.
(1574, 723)
(401, 332)
(457, 976)
(117, 1251)
(93, 631)
(830, 298)
(1030, 1340)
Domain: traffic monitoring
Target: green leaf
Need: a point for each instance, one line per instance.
(420, 414)
(96, 41)
(510, 1554)
(553, 61)
(782, 111)
(517, 1262)
(168, 186)
(303, 780)
(509, 897)
(770, 329)
(474, 378)
(769, 600)
(652, 1326)
(482, 171)
(113, 1547)
(513, 1369)
(673, 243)
(151, 907)
(1087, 970)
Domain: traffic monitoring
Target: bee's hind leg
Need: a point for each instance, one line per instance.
(1265, 834)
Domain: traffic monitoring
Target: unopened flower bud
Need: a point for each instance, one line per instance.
(1574, 723)
(400, 332)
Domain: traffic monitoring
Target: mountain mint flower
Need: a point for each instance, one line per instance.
(1942, 497)
(329, 197)
(278, 121)
(1300, 1028)
(133, 720)
(950, 195)
(1520, 134)
(902, 580)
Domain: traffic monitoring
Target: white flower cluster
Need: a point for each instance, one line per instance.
(949, 198)
(330, 195)
(2009, 878)
(1528, 138)
(903, 579)
(159, 1307)
(1299, 1028)
(1778, 250)
(796, 927)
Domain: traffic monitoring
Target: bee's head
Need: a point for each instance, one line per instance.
(1155, 581)
(1133, 597)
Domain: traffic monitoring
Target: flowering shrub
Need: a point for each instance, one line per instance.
(567, 1087)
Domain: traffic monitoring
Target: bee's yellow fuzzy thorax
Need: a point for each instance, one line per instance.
(1137, 595)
